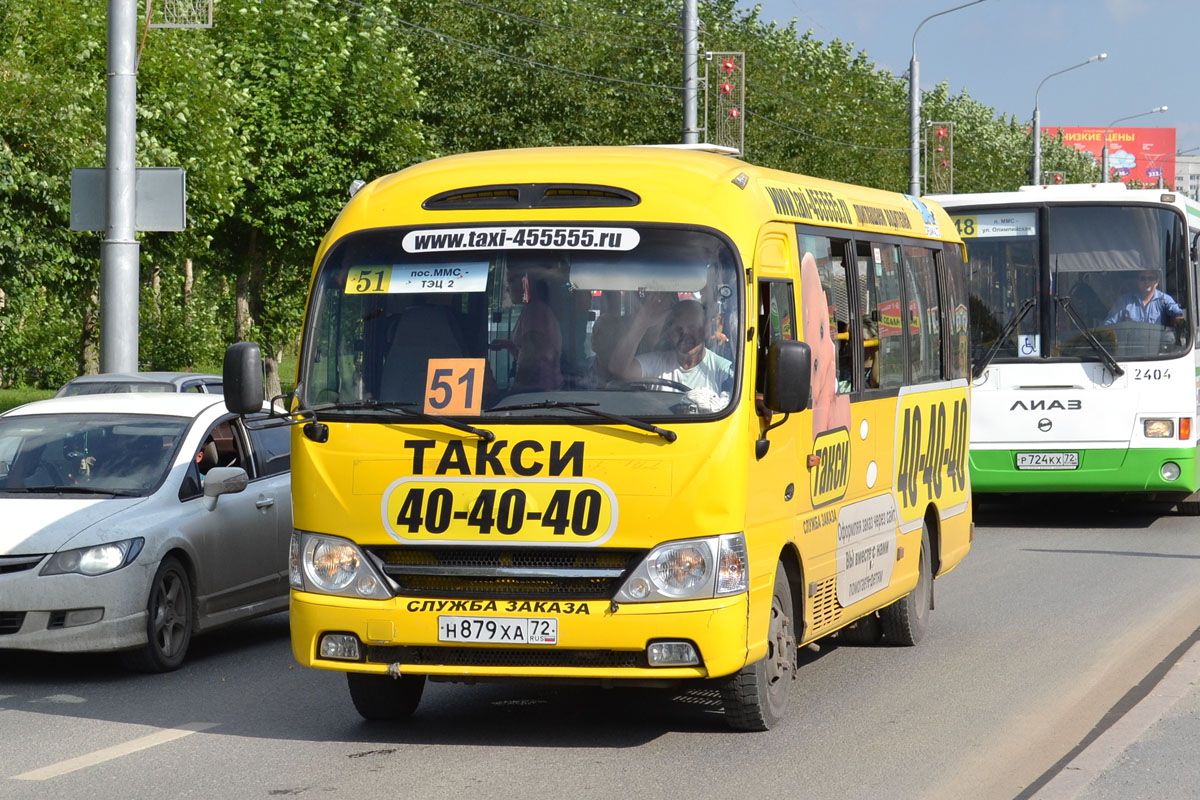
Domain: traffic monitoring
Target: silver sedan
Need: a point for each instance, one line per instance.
(132, 522)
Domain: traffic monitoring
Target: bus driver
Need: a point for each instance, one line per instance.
(1145, 304)
(688, 362)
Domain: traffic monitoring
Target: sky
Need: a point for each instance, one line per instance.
(1000, 50)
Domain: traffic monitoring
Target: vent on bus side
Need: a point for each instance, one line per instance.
(532, 195)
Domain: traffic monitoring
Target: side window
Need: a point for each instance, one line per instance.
(776, 321)
(923, 320)
(957, 317)
(883, 334)
(828, 302)
(272, 449)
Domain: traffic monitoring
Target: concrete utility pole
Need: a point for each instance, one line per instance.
(691, 69)
(119, 252)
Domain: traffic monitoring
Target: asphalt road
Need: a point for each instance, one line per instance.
(1060, 610)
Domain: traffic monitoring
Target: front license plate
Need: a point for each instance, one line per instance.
(498, 630)
(1047, 460)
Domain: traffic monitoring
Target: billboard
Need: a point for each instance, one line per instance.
(1133, 153)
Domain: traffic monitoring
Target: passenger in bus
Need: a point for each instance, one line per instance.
(1146, 303)
(536, 344)
(688, 361)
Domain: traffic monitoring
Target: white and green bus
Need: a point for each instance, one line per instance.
(1083, 333)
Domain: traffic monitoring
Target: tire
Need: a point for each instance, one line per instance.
(755, 697)
(382, 697)
(170, 620)
(906, 621)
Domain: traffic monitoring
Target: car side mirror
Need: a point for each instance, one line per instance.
(789, 376)
(243, 378)
(223, 480)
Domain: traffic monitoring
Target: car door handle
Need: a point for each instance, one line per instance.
(264, 502)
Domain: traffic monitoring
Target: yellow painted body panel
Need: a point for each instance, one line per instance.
(707, 482)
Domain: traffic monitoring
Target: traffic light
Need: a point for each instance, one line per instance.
(1058, 178)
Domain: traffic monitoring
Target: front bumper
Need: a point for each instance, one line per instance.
(33, 608)
(599, 642)
(1108, 470)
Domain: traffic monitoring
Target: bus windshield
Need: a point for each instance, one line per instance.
(1114, 285)
(526, 321)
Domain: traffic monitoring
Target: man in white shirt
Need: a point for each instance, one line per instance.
(689, 362)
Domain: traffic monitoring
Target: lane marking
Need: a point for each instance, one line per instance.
(1108, 746)
(116, 751)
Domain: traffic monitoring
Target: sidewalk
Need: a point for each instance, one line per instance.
(1150, 753)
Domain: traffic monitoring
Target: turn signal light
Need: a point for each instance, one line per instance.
(1185, 428)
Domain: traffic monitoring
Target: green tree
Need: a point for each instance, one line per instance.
(330, 97)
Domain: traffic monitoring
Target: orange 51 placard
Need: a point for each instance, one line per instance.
(454, 386)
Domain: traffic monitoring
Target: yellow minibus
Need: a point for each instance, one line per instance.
(621, 414)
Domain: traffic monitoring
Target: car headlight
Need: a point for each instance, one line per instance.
(689, 569)
(95, 560)
(330, 565)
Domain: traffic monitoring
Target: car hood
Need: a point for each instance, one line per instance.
(36, 525)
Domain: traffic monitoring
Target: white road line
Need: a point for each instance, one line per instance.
(116, 751)
(1108, 746)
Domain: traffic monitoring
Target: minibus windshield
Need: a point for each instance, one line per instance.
(524, 321)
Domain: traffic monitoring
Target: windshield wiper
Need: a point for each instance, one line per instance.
(1002, 338)
(1105, 356)
(587, 408)
(71, 490)
(404, 410)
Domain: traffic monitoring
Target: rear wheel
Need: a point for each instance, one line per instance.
(382, 697)
(170, 618)
(905, 621)
(755, 697)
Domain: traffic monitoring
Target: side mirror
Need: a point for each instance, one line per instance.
(223, 480)
(789, 376)
(243, 379)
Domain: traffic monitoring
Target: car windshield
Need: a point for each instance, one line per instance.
(87, 453)
(115, 387)
(520, 321)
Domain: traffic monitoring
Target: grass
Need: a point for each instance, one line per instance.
(11, 398)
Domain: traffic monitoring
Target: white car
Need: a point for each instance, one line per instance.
(133, 521)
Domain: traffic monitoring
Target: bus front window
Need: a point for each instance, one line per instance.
(1120, 275)
(647, 328)
(1004, 270)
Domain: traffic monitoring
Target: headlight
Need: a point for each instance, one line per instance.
(1158, 428)
(95, 560)
(687, 570)
(330, 565)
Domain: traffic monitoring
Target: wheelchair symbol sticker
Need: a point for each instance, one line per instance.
(1029, 345)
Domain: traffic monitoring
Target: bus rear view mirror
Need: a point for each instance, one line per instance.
(789, 376)
(243, 378)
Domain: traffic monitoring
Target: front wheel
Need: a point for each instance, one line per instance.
(906, 621)
(382, 697)
(755, 697)
(170, 618)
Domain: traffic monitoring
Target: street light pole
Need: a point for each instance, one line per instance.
(914, 107)
(1104, 143)
(1036, 169)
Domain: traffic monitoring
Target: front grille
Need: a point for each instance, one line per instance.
(503, 573)
(505, 657)
(11, 621)
(18, 563)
